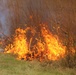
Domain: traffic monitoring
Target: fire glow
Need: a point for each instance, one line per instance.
(49, 49)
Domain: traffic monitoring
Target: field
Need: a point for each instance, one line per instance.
(39, 18)
(9, 65)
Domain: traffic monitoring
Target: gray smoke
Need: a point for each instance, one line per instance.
(4, 19)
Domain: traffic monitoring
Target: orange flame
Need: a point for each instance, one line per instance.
(0, 42)
(50, 48)
(54, 49)
(19, 46)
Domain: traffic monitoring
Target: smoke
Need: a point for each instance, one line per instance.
(4, 19)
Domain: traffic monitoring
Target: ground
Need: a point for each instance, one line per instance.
(9, 65)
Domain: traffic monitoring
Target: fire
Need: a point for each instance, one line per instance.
(50, 48)
(0, 42)
(54, 49)
(19, 46)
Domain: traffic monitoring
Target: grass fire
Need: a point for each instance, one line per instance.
(38, 37)
(48, 48)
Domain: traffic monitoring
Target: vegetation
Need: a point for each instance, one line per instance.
(60, 16)
(10, 66)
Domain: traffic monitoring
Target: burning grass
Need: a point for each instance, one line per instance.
(46, 46)
(19, 45)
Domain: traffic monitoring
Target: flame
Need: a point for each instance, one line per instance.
(31, 17)
(19, 46)
(50, 48)
(54, 49)
(0, 43)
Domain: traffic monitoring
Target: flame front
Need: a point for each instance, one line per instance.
(50, 48)
(54, 49)
(19, 46)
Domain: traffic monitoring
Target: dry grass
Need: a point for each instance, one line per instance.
(10, 66)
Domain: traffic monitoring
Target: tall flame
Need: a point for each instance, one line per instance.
(49, 48)
(54, 49)
(19, 46)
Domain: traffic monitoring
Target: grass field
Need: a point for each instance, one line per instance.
(9, 65)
